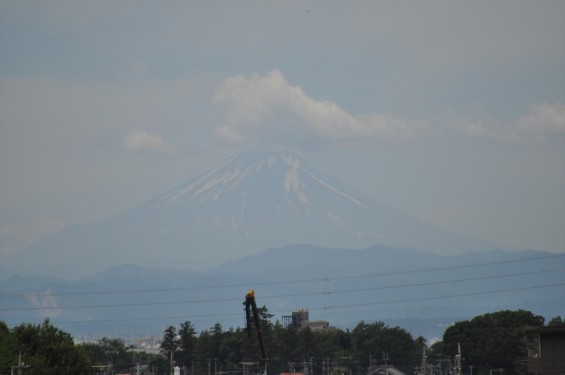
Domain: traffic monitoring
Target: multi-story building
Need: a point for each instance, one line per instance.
(301, 319)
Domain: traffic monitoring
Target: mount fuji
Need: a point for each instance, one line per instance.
(249, 203)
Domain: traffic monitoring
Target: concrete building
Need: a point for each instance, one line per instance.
(301, 319)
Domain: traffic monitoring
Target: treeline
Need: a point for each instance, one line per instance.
(290, 349)
(497, 340)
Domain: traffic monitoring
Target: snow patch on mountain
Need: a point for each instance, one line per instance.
(293, 183)
(242, 210)
(323, 183)
(177, 195)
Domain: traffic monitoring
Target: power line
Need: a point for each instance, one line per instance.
(443, 297)
(518, 236)
(443, 268)
(294, 281)
(281, 295)
(197, 316)
(441, 282)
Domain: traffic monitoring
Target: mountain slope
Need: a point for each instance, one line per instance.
(249, 203)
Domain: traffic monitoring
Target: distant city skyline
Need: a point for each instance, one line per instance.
(451, 112)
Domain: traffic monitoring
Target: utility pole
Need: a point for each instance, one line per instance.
(424, 365)
(311, 368)
(458, 359)
(20, 366)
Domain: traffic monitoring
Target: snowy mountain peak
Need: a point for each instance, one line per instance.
(228, 175)
(241, 170)
(247, 204)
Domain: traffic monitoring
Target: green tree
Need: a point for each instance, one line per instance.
(232, 348)
(216, 338)
(111, 352)
(277, 346)
(46, 348)
(336, 344)
(265, 316)
(202, 352)
(556, 321)
(186, 343)
(494, 340)
(307, 345)
(437, 348)
(7, 355)
(290, 344)
(381, 342)
(169, 344)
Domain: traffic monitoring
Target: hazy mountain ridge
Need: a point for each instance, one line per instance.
(249, 203)
(377, 283)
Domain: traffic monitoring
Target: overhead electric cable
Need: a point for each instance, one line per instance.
(281, 295)
(196, 316)
(442, 297)
(294, 281)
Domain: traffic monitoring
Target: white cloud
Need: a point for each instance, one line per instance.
(472, 126)
(268, 105)
(226, 132)
(545, 120)
(264, 108)
(140, 140)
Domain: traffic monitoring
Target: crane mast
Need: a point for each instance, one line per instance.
(251, 308)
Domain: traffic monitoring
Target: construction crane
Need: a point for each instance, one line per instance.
(251, 307)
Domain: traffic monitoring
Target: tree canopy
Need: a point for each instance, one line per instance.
(493, 341)
(496, 340)
(44, 348)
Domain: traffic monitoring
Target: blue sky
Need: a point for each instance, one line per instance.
(451, 111)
